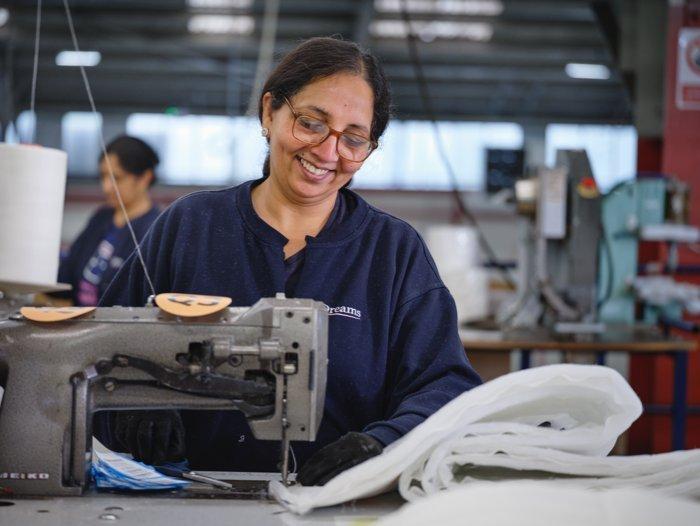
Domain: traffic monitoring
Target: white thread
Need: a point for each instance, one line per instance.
(266, 53)
(104, 154)
(35, 70)
(294, 458)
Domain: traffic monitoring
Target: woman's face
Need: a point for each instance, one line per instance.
(305, 173)
(132, 188)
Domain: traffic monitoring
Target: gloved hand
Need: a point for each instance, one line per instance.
(350, 450)
(152, 437)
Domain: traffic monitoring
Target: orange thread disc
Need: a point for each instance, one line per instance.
(53, 314)
(191, 305)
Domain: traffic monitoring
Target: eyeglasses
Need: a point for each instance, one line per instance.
(350, 146)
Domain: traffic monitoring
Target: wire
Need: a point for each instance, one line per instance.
(425, 97)
(559, 304)
(104, 152)
(509, 315)
(267, 50)
(510, 318)
(605, 245)
(294, 458)
(547, 290)
(35, 69)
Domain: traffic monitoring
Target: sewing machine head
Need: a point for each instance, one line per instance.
(268, 361)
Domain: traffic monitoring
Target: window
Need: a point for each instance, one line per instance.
(201, 149)
(408, 156)
(217, 150)
(80, 139)
(612, 150)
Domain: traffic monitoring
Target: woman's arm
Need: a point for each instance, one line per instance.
(428, 365)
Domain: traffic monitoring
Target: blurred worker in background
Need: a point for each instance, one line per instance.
(395, 356)
(105, 243)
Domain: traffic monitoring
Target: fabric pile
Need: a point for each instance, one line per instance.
(543, 503)
(556, 422)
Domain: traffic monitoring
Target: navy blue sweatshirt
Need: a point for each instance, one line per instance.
(395, 356)
(100, 225)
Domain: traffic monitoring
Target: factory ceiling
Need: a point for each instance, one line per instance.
(483, 59)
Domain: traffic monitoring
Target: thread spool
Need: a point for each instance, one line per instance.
(32, 188)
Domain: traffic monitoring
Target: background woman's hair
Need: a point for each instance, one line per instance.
(322, 57)
(135, 156)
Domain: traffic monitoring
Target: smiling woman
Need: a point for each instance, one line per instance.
(334, 87)
(395, 356)
(300, 193)
(305, 160)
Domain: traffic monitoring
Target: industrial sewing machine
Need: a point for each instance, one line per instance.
(559, 260)
(579, 256)
(58, 368)
(268, 361)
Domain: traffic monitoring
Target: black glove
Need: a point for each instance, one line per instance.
(152, 437)
(351, 450)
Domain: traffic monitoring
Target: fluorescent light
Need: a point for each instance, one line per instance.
(448, 7)
(219, 4)
(4, 16)
(78, 58)
(432, 30)
(587, 71)
(221, 24)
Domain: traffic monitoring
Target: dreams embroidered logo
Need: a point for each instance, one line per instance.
(348, 312)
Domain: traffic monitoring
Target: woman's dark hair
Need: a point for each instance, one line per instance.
(135, 156)
(322, 57)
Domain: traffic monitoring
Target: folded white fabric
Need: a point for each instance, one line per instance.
(577, 409)
(533, 455)
(538, 503)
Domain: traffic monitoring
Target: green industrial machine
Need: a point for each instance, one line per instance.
(626, 210)
(646, 209)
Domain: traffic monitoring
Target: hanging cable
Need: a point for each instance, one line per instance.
(35, 70)
(425, 97)
(606, 249)
(104, 152)
(267, 50)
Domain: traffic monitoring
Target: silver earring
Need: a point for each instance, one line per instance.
(265, 132)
